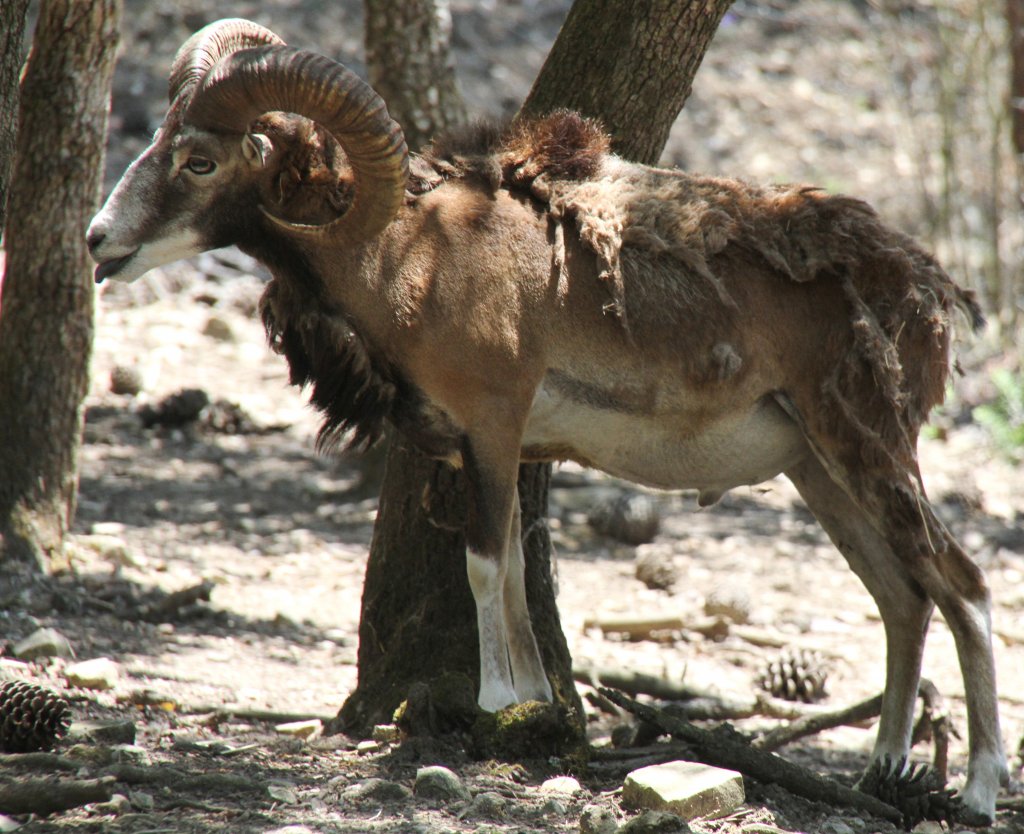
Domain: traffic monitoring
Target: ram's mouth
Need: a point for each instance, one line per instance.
(108, 268)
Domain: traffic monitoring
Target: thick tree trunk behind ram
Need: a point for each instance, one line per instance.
(418, 617)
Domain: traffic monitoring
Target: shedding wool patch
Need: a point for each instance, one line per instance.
(900, 300)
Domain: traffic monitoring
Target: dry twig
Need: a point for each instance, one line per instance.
(808, 725)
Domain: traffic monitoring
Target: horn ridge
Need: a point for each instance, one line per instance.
(207, 46)
(245, 84)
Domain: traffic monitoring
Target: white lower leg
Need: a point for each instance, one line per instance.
(987, 768)
(531, 683)
(486, 581)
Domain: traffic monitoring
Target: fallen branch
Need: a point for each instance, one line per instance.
(715, 628)
(48, 796)
(810, 724)
(176, 779)
(1010, 803)
(39, 761)
(218, 713)
(637, 683)
(618, 761)
(636, 628)
(1009, 636)
(724, 747)
(693, 703)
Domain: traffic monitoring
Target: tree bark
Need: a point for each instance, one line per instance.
(1015, 23)
(409, 64)
(418, 619)
(47, 303)
(631, 65)
(12, 33)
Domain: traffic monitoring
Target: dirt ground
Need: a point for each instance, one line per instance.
(281, 534)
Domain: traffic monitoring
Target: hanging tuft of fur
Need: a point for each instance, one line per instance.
(355, 394)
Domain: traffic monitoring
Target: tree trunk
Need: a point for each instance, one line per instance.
(418, 619)
(47, 304)
(409, 64)
(12, 31)
(629, 65)
(1015, 23)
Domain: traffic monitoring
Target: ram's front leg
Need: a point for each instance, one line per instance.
(491, 468)
(531, 682)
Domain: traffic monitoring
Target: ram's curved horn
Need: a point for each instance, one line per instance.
(207, 46)
(244, 85)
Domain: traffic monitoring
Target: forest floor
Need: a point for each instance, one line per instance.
(281, 534)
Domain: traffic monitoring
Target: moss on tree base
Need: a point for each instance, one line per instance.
(447, 705)
(530, 731)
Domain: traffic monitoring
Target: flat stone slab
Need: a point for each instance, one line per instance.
(98, 673)
(687, 789)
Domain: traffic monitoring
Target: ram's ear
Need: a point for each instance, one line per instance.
(256, 149)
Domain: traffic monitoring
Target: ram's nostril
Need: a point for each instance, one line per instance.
(94, 239)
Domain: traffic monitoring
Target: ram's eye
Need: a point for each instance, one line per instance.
(201, 165)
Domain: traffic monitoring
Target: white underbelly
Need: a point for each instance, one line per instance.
(668, 452)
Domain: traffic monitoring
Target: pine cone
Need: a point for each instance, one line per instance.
(796, 675)
(916, 791)
(31, 717)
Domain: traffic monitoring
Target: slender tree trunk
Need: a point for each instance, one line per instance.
(418, 618)
(409, 63)
(12, 33)
(1014, 281)
(1015, 23)
(47, 304)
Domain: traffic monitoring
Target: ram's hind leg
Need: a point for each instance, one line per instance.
(884, 518)
(904, 607)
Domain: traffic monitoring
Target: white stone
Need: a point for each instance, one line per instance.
(44, 642)
(565, 785)
(687, 789)
(98, 673)
(439, 783)
(283, 793)
(301, 729)
(113, 549)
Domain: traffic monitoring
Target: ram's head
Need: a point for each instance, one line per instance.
(250, 144)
